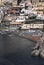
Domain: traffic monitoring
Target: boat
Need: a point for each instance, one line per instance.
(8, 32)
(32, 16)
(13, 28)
(8, 18)
(20, 19)
(5, 31)
(40, 17)
(27, 10)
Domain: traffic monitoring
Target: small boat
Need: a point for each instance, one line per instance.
(3, 33)
(20, 19)
(40, 17)
(6, 31)
(32, 16)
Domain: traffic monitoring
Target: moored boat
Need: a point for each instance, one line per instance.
(40, 17)
(20, 19)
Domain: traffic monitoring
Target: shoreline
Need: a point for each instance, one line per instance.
(34, 38)
(30, 37)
